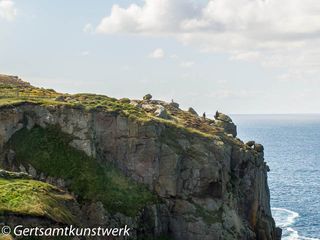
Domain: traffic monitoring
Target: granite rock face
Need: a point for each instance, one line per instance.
(226, 123)
(210, 187)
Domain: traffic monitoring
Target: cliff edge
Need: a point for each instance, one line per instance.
(165, 172)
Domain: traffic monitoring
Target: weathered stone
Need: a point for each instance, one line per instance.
(226, 123)
(258, 147)
(250, 143)
(60, 99)
(13, 175)
(278, 233)
(161, 112)
(227, 127)
(147, 97)
(174, 104)
(222, 117)
(32, 171)
(192, 111)
(11, 156)
(192, 175)
(22, 169)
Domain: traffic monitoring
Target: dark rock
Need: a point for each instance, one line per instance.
(192, 111)
(226, 123)
(250, 143)
(222, 117)
(147, 97)
(60, 99)
(227, 127)
(278, 233)
(174, 104)
(258, 147)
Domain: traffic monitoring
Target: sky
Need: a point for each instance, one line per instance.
(244, 56)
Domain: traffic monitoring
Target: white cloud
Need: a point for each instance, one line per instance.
(157, 53)
(88, 28)
(187, 64)
(155, 16)
(275, 33)
(8, 11)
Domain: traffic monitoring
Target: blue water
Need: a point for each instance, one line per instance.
(292, 151)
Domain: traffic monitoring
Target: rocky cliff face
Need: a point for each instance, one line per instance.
(210, 185)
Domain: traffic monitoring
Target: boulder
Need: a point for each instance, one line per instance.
(60, 99)
(124, 100)
(161, 112)
(222, 117)
(32, 171)
(250, 143)
(278, 233)
(258, 147)
(174, 104)
(226, 123)
(192, 111)
(229, 128)
(147, 97)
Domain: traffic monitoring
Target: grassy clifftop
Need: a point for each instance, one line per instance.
(23, 196)
(14, 91)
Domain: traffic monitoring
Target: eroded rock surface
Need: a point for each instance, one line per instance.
(210, 187)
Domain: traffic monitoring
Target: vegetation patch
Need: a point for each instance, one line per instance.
(209, 217)
(48, 150)
(35, 198)
(13, 92)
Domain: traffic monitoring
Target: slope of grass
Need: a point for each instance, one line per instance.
(48, 151)
(13, 94)
(35, 198)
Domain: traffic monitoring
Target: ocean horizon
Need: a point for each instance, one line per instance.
(292, 151)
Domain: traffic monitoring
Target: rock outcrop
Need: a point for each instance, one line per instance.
(210, 185)
(226, 123)
(192, 111)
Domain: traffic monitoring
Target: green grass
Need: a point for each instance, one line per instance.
(35, 198)
(48, 151)
(11, 94)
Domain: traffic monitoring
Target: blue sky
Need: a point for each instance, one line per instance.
(212, 55)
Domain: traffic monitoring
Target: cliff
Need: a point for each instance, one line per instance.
(165, 172)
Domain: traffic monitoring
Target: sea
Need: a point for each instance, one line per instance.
(292, 151)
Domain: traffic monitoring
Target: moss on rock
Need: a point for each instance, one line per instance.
(48, 150)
